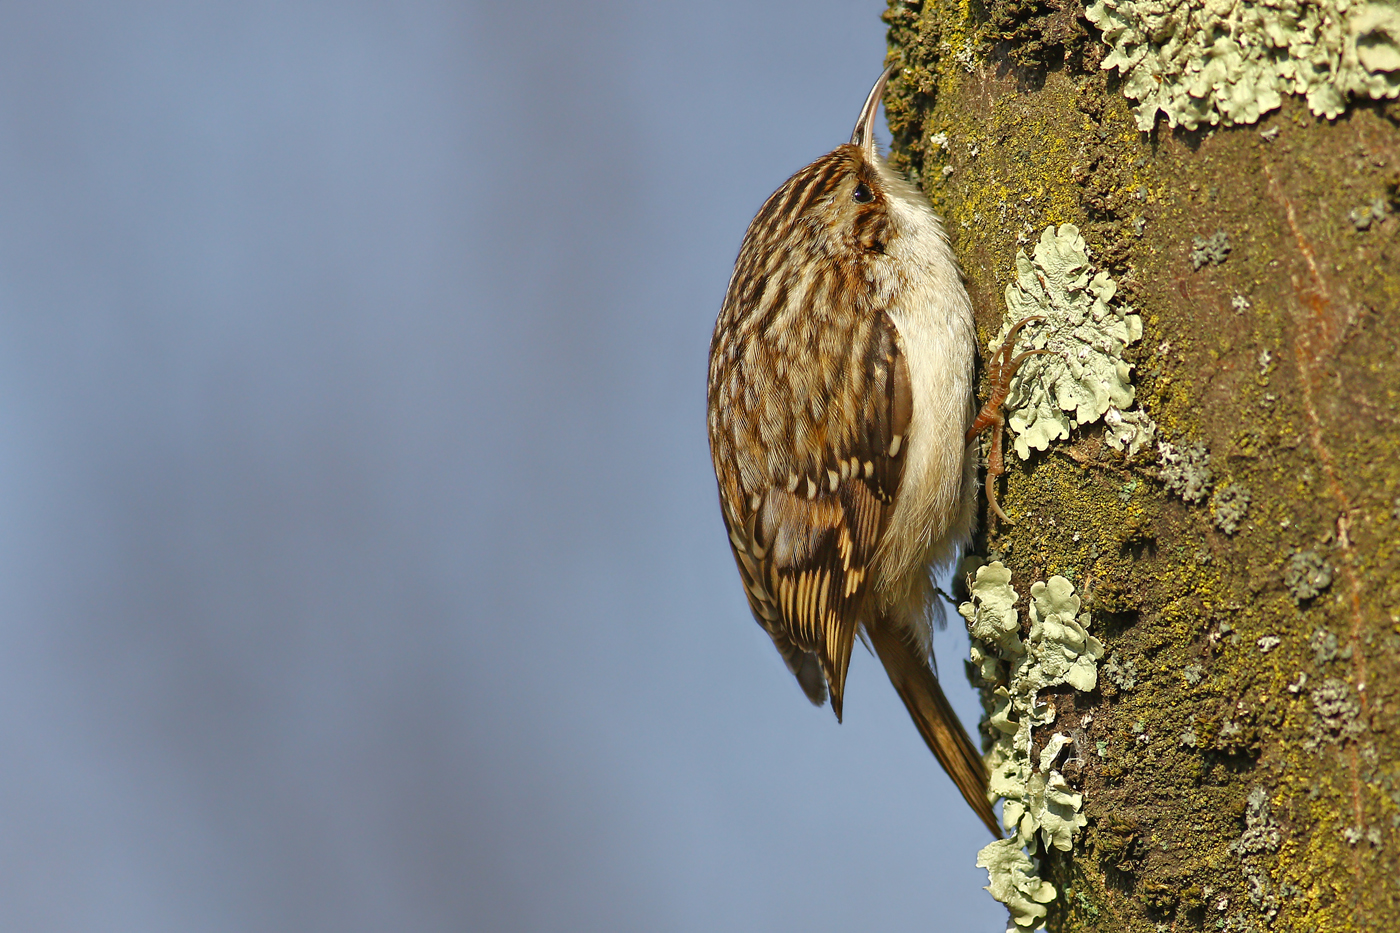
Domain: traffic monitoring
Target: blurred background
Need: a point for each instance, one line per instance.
(360, 560)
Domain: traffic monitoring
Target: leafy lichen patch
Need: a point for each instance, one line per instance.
(1122, 673)
(1210, 250)
(1307, 574)
(1084, 375)
(1233, 60)
(1335, 714)
(1324, 646)
(1129, 431)
(1185, 472)
(1014, 880)
(1040, 805)
(1229, 507)
(1262, 836)
(1362, 217)
(992, 618)
(1355, 834)
(1262, 832)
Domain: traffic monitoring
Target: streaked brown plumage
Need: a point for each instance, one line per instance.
(840, 398)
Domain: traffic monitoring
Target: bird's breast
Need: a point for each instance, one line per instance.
(922, 288)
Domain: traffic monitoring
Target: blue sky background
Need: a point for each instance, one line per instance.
(360, 563)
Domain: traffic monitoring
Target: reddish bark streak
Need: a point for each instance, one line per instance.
(1318, 331)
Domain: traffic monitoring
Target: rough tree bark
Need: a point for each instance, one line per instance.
(1253, 648)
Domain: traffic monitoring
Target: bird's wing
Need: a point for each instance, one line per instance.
(808, 445)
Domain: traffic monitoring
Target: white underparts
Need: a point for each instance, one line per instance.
(920, 285)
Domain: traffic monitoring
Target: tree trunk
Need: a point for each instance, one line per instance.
(1239, 758)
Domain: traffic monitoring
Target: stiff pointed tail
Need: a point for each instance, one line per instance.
(918, 687)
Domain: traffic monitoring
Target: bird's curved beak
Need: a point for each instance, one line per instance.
(864, 133)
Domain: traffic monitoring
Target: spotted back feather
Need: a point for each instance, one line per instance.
(809, 406)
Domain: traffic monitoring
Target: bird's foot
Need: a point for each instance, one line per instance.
(1000, 372)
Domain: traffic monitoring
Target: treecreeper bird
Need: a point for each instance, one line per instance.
(841, 421)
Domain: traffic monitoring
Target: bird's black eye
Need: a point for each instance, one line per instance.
(863, 194)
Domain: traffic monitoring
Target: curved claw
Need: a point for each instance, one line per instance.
(1000, 372)
(992, 498)
(1009, 343)
(1021, 358)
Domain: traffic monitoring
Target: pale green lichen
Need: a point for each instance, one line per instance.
(1262, 836)
(1229, 507)
(1129, 431)
(1336, 714)
(1324, 646)
(1210, 250)
(1307, 575)
(1040, 806)
(1231, 736)
(1015, 882)
(994, 618)
(1084, 374)
(1262, 832)
(1362, 217)
(1185, 472)
(1204, 61)
(1050, 803)
(1354, 834)
(1123, 673)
